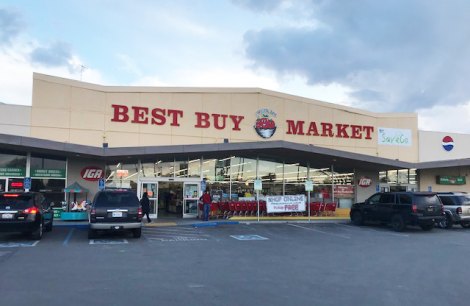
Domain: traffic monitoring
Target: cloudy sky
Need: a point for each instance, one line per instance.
(382, 56)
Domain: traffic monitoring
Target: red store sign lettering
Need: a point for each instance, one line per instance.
(160, 116)
(91, 173)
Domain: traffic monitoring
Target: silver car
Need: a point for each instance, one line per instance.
(456, 208)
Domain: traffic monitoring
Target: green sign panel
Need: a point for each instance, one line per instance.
(56, 173)
(11, 172)
(451, 180)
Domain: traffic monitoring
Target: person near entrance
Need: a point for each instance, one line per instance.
(206, 200)
(145, 203)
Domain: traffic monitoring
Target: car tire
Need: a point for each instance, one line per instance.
(427, 226)
(397, 223)
(37, 234)
(91, 233)
(357, 218)
(465, 224)
(137, 232)
(446, 222)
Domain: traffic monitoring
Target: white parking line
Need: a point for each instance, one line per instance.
(18, 244)
(322, 232)
(369, 229)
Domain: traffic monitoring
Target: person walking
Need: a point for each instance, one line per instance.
(206, 200)
(145, 203)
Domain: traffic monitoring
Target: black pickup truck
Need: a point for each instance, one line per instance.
(399, 209)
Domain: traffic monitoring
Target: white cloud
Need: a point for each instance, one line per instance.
(440, 118)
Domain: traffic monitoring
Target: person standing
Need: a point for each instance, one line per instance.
(145, 203)
(206, 200)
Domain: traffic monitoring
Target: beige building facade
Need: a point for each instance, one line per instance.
(169, 141)
(76, 112)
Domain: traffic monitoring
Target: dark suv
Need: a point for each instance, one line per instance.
(115, 210)
(25, 212)
(456, 208)
(400, 209)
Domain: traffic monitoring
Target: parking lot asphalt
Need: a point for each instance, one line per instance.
(331, 263)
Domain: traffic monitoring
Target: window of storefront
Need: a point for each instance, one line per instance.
(12, 164)
(48, 177)
(121, 175)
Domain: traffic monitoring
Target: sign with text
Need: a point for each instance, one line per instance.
(258, 185)
(450, 180)
(394, 137)
(56, 173)
(12, 172)
(287, 203)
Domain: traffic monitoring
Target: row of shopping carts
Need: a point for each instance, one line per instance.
(250, 208)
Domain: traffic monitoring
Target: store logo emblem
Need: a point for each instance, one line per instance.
(91, 173)
(448, 143)
(264, 124)
(365, 182)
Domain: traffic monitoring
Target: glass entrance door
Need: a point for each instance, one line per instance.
(152, 192)
(190, 199)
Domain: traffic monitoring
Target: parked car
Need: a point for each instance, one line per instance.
(399, 209)
(25, 212)
(115, 210)
(456, 208)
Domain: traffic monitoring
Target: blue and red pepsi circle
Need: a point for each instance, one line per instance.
(447, 143)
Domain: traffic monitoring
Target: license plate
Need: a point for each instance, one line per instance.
(117, 214)
(7, 216)
(430, 208)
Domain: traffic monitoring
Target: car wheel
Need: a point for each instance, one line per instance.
(91, 233)
(357, 219)
(397, 222)
(137, 232)
(465, 224)
(446, 222)
(427, 226)
(37, 234)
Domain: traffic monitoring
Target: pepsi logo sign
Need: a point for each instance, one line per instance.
(91, 173)
(448, 143)
(365, 182)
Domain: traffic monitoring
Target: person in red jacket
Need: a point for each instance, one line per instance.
(206, 200)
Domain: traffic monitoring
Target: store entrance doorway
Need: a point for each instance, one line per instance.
(170, 198)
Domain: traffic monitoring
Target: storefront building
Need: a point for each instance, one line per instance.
(175, 142)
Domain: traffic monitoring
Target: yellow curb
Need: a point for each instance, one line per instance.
(160, 224)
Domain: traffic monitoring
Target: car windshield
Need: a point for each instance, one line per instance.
(15, 201)
(116, 199)
(426, 199)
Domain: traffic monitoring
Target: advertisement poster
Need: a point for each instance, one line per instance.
(287, 203)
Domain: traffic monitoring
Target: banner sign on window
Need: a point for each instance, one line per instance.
(394, 137)
(287, 203)
(12, 172)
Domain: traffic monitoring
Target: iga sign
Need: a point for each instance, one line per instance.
(288, 203)
(91, 173)
(364, 182)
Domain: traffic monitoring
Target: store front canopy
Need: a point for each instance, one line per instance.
(75, 188)
(277, 151)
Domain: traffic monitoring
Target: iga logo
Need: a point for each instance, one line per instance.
(448, 143)
(365, 182)
(91, 173)
(264, 124)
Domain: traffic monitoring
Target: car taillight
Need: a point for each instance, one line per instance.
(459, 210)
(31, 211)
(93, 212)
(11, 195)
(414, 208)
(139, 213)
